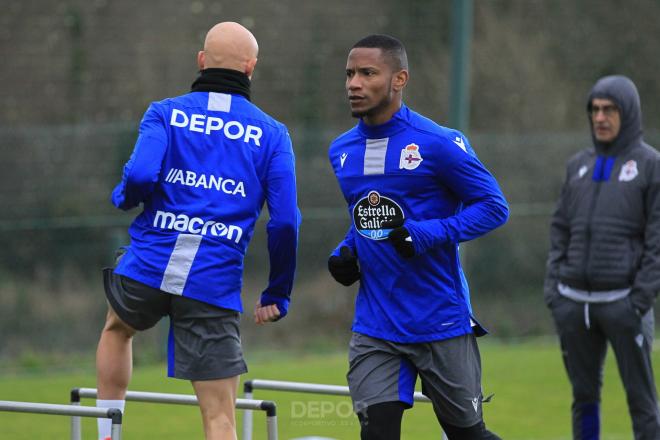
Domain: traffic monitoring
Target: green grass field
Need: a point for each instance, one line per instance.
(532, 399)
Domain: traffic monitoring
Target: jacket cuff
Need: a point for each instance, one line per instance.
(281, 303)
(426, 234)
(336, 251)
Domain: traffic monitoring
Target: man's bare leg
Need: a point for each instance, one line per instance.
(114, 358)
(217, 402)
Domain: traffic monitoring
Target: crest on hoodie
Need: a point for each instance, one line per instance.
(628, 171)
(582, 171)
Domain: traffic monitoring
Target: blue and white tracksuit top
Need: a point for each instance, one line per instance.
(413, 169)
(203, 165)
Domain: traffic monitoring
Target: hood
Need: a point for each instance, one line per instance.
(622, 91)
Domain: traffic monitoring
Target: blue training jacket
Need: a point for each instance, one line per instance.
(413, 169)
(203, 165)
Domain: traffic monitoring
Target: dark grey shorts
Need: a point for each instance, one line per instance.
(384, 371)
(204, 340)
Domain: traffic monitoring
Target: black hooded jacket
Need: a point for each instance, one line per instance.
(605, 232)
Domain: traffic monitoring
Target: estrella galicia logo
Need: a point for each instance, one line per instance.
(370, 212)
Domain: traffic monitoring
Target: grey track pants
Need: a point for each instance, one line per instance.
(584, 330)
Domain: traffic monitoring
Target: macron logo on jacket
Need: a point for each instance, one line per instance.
(196, 225)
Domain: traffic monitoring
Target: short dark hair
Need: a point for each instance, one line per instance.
(392, 49)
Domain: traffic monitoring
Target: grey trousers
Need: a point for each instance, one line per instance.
(584, 330)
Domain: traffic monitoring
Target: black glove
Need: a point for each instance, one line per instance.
(344, 268)
(400, 238)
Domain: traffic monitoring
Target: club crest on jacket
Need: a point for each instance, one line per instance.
(628, 171)
(410, 157)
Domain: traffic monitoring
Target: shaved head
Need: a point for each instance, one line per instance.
(229, 45)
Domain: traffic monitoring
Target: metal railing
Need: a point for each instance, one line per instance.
(178, 399)
(67, 410)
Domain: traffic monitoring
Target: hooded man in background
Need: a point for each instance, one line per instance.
(603, 269)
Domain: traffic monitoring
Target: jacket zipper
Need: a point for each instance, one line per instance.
(587, 255)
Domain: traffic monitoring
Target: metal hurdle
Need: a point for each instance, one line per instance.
(67, 410)
(300, 387)
(178, 399)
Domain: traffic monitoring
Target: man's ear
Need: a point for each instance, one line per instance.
(201, 59)
(249, 67)
(399, 80)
